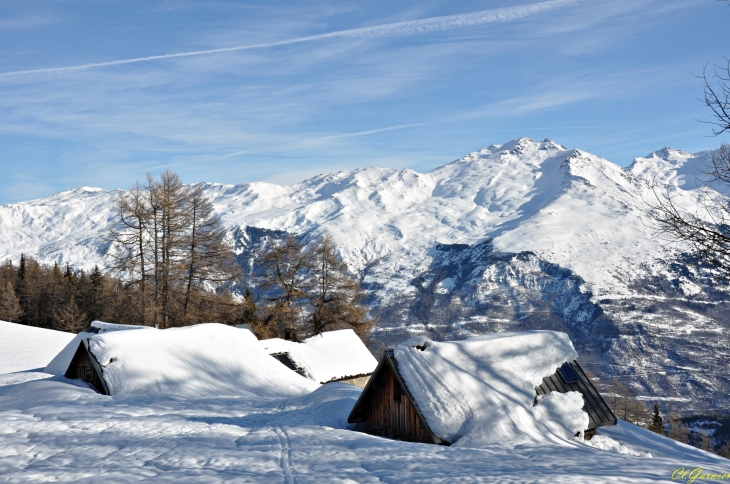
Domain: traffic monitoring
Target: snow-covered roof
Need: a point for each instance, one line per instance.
(326, 357)
(102, 327)
(59, 364)
(205, 359)
(481, 390)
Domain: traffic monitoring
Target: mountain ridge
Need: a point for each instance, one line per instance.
(550, 237)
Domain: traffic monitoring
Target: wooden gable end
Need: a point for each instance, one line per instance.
(85, 367)
(599, 413)
(387, 408)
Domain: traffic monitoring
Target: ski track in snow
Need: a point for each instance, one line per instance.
(54, 430)
(285, 459)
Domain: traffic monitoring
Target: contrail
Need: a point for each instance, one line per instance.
(398, 29)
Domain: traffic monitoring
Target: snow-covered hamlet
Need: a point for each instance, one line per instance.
(327, 357)
(512, 388)
(205, 359)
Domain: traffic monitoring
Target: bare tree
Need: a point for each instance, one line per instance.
(717, 97)
(309, 288)
(209, 259)
(170, 199)
(286, 271)
(707, 229)
(677, 429)
(171, 246)
(725, 451)
(131, 240)
(334, 292)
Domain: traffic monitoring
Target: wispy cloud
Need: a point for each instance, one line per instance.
(311, 142)
(31, 21)
(398, 29)
(562, 91)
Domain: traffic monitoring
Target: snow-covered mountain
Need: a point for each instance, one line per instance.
(521, 235)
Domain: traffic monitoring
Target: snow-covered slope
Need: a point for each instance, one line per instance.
(524, 235)
(569, 207)
(27, 348)
(54, 431)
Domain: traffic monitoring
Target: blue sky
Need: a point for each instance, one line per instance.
(280, 91)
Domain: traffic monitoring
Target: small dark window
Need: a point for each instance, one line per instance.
(286, 360)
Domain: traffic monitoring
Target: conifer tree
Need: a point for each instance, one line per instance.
(21, 268)
(656, 421)
(250, 310)
(95, 293)
(70, 317)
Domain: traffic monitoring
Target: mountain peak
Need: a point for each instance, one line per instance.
(669, 154)
(521, 145)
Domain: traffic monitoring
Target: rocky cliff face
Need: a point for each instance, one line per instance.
(524, 235)
(664, 346)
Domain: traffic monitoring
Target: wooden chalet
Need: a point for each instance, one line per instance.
(571, 378)
(85, 367)
(386, 407)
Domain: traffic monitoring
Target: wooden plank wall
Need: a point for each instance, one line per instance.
(389, 412)
(82, 367)
(599, 413)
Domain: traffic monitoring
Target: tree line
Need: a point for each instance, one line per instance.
(67, 299)
(171, 263)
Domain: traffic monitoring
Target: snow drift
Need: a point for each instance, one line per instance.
(481, 390)
(27, 348)
(327, 357)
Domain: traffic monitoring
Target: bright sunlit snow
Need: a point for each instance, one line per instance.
(570, 207)
(54, 429)
(205, 359)
(59, 364)
(328, 356)
(27, 348)
(480, 390)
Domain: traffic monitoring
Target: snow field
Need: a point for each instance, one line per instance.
(52, 430)
(59, 430)
(27, 348)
